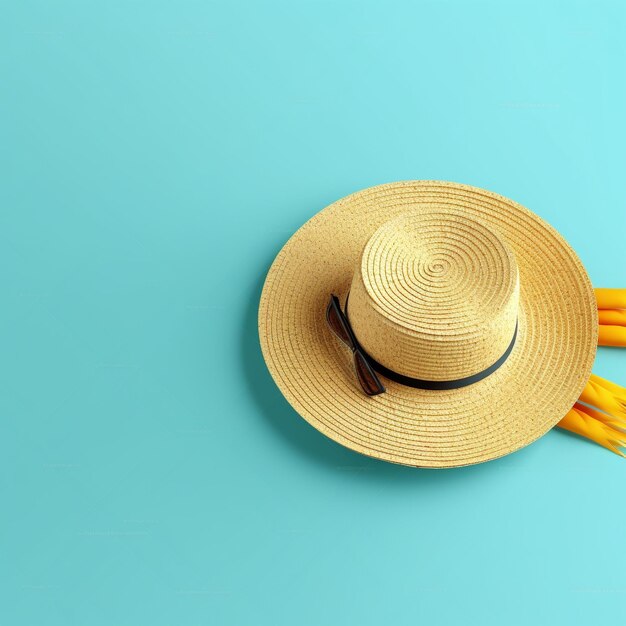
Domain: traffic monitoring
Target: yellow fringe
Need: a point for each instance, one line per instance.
(582, 423)
(602, 416)
(614, 388)
(606, 396)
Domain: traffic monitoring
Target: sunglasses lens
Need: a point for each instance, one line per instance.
(367, 377)
(334, 317)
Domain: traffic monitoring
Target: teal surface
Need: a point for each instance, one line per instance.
(155, 157)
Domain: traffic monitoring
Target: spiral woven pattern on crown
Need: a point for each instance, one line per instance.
(537, 385)
(435, 295)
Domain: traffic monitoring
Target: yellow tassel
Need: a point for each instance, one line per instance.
(602, 417)
(610, 400)
(614, 336)
(605, 420)
(612, 317)
(581, 423)
(614, 388)
(611, 298)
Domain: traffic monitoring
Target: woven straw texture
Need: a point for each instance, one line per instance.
(435, 295)
(438, 274)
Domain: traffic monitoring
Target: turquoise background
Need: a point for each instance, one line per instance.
(155, 157)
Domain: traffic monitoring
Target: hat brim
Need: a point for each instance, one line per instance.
(534, 389)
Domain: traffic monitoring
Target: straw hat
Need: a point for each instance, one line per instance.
(469, 320)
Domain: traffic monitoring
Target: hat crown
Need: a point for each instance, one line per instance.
(435, 295)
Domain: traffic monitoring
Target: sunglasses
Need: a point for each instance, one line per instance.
(339, 324)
